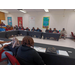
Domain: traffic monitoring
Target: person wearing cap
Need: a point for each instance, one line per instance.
(64, 33)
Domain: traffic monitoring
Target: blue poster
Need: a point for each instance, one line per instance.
(46, 22)
(9, 19)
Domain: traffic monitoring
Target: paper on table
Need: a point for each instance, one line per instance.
(61, 52)
(1, 40)
(40, 49)
(6, 43)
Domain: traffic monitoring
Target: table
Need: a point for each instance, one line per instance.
(38, 34)
(10, 33)
(23, 32)
(54, 35)
(2, 34)
(7, 34)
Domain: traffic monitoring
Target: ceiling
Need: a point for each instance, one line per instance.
(35, 10)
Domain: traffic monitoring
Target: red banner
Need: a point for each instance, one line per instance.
(20, 21)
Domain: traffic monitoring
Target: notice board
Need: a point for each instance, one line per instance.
(46, 22)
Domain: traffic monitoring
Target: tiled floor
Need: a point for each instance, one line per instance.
(65, 43)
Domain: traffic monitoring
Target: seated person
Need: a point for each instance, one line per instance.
(3, 58)
(33, 29)
(14, 28)
(64, 33)
(2, 29)
(27, 29)
(14, 46)
(8, 28)
(19, 28)
(46, 30)
(2, 24)
(39, 30)
(22, 28)
(55, 31)
(50, 30)
(27, 55)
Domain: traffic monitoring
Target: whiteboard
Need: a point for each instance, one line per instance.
(31, 22)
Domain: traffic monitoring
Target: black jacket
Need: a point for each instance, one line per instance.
(29, 56)
(46, 31)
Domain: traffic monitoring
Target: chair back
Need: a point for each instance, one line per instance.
(12, 59)
(1, 54)
(72, 34)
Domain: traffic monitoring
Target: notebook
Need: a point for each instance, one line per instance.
(40, 49)
(62, 52)
(7, 43)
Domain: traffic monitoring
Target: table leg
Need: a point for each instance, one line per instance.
(43, 37)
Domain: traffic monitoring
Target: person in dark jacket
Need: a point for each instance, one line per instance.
(38, 30)
(33, 29)
(55, 31)
(27, 55)
(47, 30)
(27, 29)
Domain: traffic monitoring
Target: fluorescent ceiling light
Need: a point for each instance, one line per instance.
(4, 11)
(46, 10)
(23, 11)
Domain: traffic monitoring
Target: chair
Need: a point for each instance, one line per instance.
(57, 31)
(72, 35)
(0, 56)
(12, 59)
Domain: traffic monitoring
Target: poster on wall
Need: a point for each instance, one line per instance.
(31, 22)
(20, 21)
(9, 19)
(46, 22)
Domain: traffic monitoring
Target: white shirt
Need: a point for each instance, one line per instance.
(0, 45)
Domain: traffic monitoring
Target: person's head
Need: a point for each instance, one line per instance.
(33, 28)
(2, 23)
(46, 28)
(27, 28)
(28, 41)
(37, 28)
(63, 29)
(50, 29)
(54, 28)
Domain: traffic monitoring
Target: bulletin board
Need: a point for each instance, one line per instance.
(46, 22)
(9, 19)
(20, 21)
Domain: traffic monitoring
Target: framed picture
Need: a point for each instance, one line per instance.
(46, 22)
(20, 21)
(9, 19)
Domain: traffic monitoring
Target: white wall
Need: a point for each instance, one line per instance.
(56, 19)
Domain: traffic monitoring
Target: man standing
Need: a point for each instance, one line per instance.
(64, 33)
